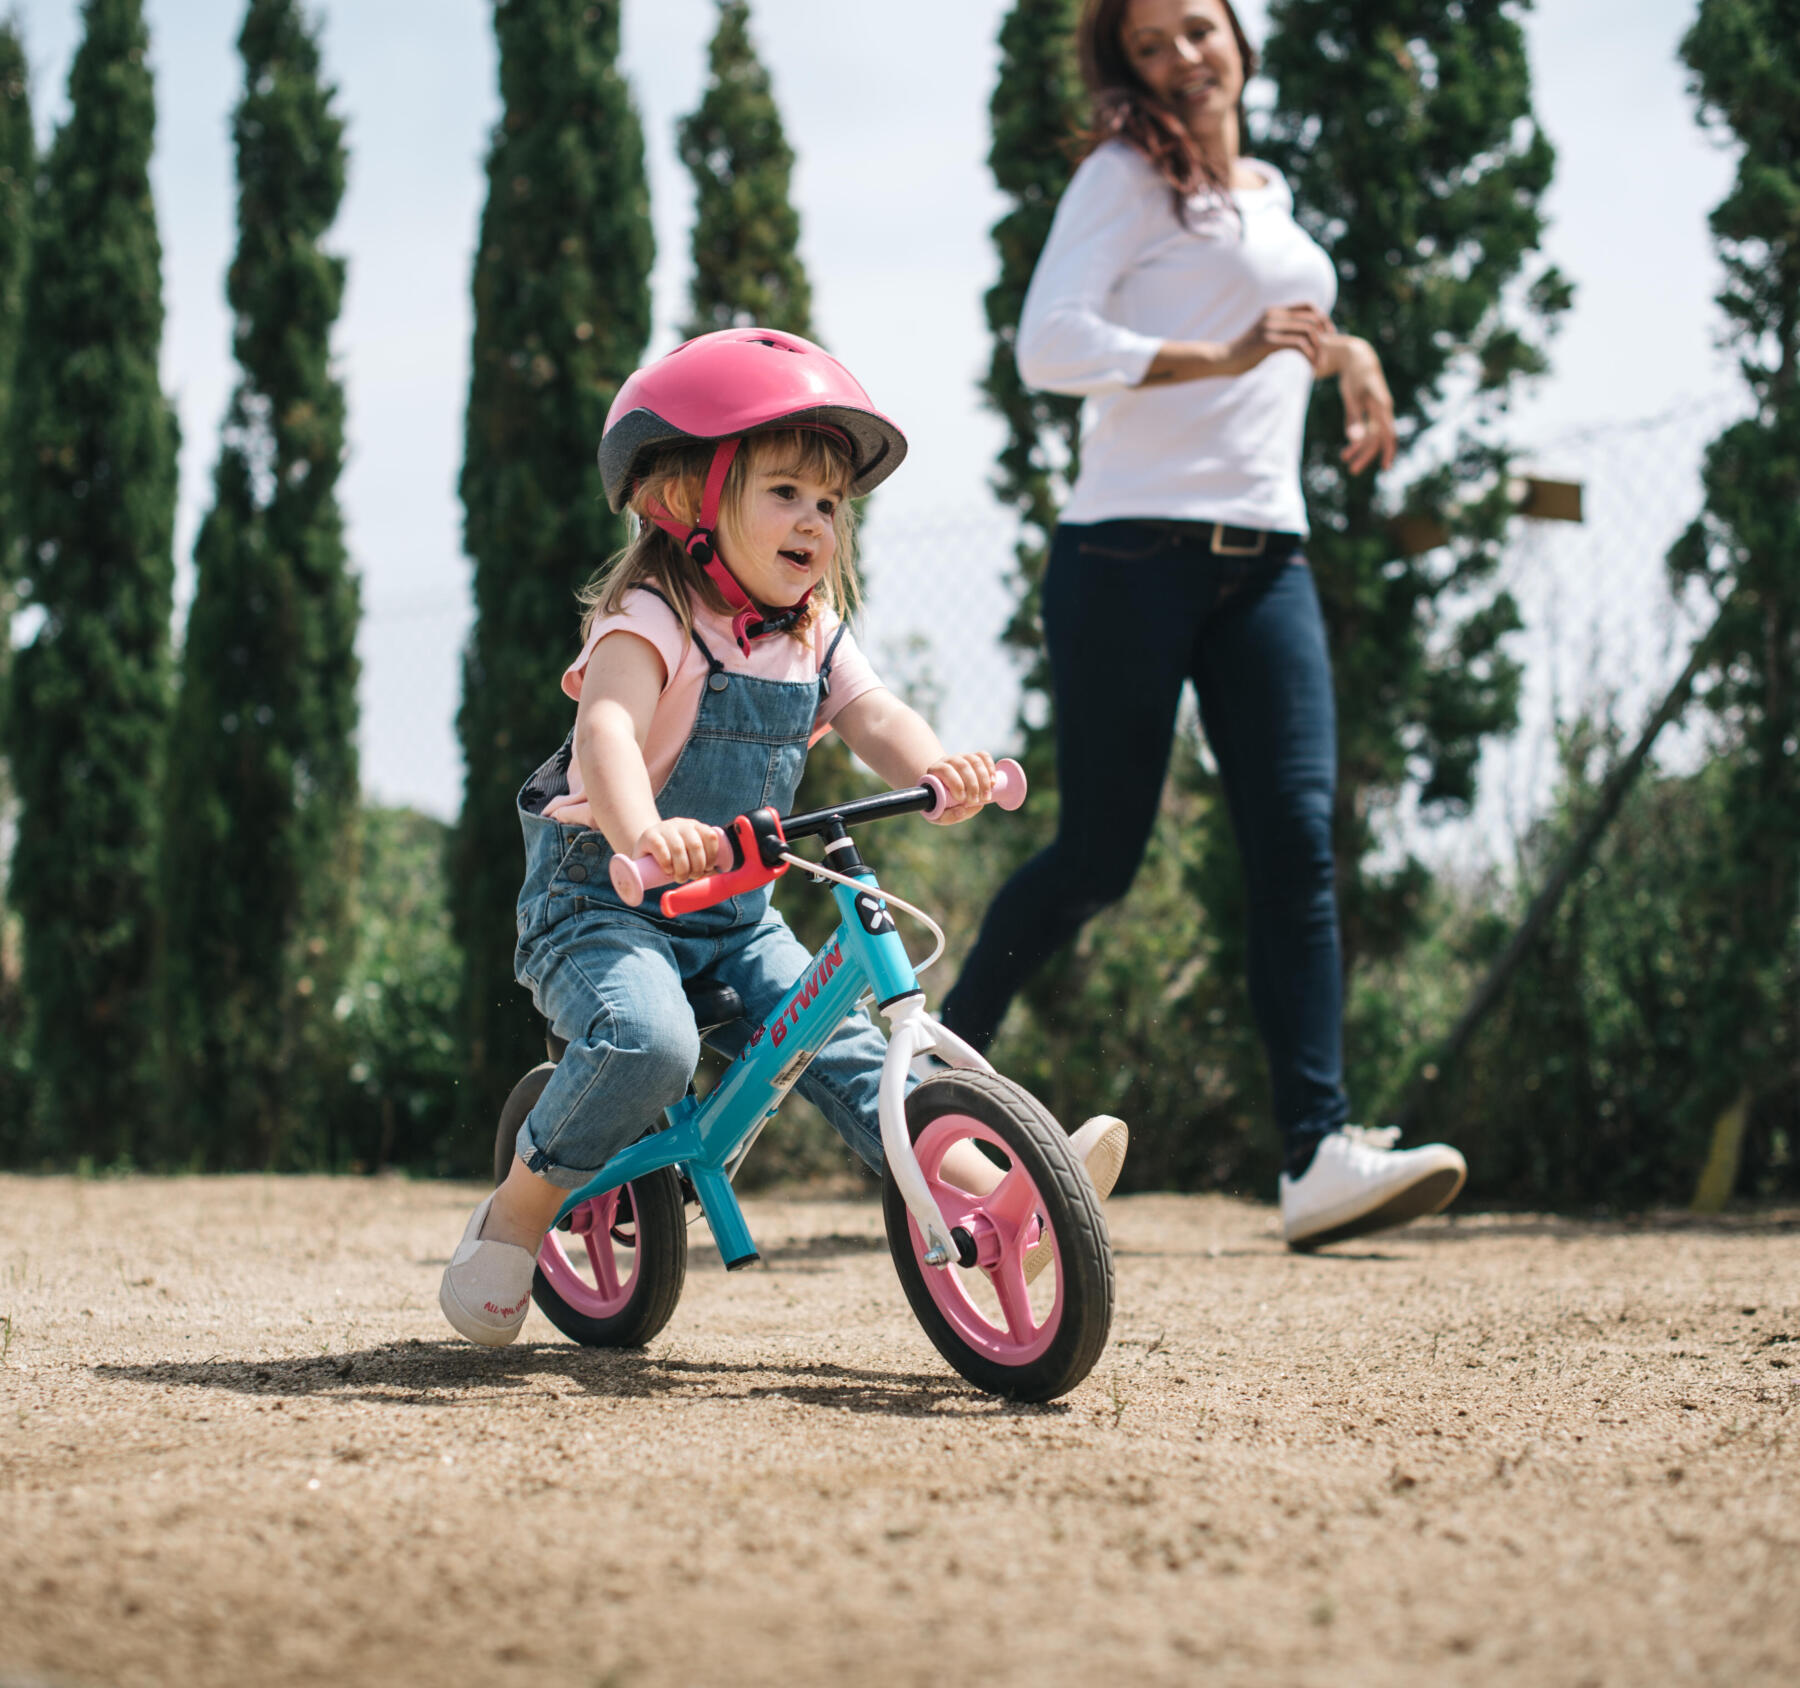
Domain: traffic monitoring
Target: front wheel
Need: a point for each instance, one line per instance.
(619, 1287)
(1029, 1338)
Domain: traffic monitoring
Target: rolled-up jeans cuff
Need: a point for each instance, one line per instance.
(551, 1171)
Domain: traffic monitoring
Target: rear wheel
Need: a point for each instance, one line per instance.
(1030, 1341)
(613, 1278)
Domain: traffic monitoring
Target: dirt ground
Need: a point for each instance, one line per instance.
(237, 1445)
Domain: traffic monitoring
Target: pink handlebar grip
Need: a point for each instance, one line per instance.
(1009, 784)
(1009, 788)
(632, 879)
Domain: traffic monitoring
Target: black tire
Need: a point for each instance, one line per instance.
(520, 1102)
(650, 1210)
(1071, 1211)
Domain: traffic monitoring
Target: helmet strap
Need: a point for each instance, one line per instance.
(748, 621)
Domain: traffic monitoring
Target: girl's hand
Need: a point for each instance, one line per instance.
(684, 849)
(1283, 328)
(968, 781)
(1368, 408)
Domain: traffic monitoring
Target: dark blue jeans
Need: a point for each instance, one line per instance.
(1131, 610)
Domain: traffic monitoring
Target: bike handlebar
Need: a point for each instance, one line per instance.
(633, 878)
(1009, 788)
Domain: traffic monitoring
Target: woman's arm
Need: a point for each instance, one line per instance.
(1114, 204)
(624, 679)
(1284, 328)
(898, 743)
(1368, 405)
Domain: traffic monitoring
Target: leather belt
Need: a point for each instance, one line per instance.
(1227, 541)
(1224, 540)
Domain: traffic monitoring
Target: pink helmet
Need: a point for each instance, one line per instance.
(718, 388)
(724, 384)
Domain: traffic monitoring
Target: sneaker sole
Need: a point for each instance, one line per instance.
(1431, 1194)
(1108, 1158)
(1103, 1170)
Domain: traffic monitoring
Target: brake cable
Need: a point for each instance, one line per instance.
(819, 871)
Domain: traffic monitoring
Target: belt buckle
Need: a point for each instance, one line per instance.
(1221, 549)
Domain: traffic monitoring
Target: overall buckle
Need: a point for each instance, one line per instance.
(1221, 547)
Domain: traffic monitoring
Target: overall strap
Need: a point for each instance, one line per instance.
(830, 652)
(716, 679)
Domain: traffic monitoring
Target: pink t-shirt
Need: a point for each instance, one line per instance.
(685, 671)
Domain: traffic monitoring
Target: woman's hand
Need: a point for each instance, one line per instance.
(968, 781)
(684, 849)
(1368, 406)
(1285, 328)
(1282, 328)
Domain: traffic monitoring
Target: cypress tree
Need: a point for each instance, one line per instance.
(1080, 1046)
(18, 159)
(260, 832)
(1037, 109)
(1744, 56)
(747, 269)
(747, 265)
(94, 441)
(1406, 130)
(562, 312)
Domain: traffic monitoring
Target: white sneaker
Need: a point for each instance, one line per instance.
(1100, 1146)
(486, 1291)
(1359, 1182)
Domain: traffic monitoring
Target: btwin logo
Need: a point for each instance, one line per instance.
(790, 1015)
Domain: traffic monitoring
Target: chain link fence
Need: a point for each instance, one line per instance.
(1603, 633)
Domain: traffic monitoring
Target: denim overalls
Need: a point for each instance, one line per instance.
(608, 978)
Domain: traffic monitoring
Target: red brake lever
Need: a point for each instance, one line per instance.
(756, 842)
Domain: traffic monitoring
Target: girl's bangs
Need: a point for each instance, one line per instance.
(814, 454)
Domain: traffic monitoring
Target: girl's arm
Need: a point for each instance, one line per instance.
(624, 679)
(896, 741)
(1368, 405)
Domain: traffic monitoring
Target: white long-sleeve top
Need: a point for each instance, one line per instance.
(1119, 275)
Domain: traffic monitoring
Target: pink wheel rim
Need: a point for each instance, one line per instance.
(1007, 1220)
(596, 1225)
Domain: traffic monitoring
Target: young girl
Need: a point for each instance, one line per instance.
(713, 655)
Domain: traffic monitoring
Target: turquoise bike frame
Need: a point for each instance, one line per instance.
(707, 1140)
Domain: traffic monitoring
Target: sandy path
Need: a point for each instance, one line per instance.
(237, 1447)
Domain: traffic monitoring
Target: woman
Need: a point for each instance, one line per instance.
(1177, 293)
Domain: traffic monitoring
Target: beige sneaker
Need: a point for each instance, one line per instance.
(1100, 1146)
(486, 1291)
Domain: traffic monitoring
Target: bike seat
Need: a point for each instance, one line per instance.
(714, 1005)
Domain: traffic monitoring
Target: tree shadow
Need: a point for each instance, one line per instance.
(450, 1373)
(1209, 1251)
(1345, 1256)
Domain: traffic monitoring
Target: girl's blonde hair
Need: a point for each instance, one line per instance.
(676, 480)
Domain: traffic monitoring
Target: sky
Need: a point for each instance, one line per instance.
(886, 108)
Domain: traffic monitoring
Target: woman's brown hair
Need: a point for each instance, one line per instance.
(1124, 109)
